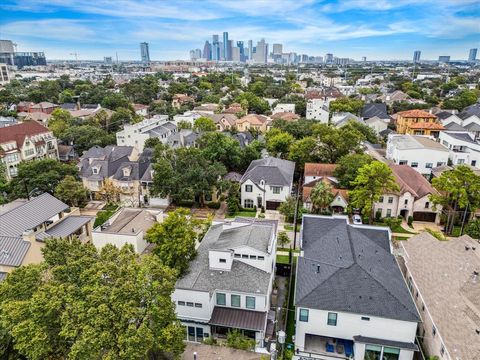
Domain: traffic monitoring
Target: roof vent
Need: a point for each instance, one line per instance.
(475, 272)
(467, 248)
(477, 331)
(133, 230)
(473, 248)
(318, 269)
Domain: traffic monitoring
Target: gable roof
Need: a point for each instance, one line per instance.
(30, 214)
(375, 109)
(410, 180)
(273, 171)
(453, 126)
(416, 113)
(470, 111)
(18, 132)
(350, 268)
(316, 169)
(12, 250)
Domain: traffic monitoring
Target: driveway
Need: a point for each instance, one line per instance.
(207, 352)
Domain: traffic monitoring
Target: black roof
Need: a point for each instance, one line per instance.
(350, 268)
(375, 109)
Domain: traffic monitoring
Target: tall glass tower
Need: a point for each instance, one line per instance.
(145, 52)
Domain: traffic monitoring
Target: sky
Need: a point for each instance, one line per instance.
(377, 29)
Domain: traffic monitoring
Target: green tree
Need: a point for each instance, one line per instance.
(174, 239)
(333, 143)
(39, 176)
(287, 209)
(462, 100)
(60, 121)
(321, 197)
(87, 304)
(303, 151)
(373, 180)
(84, 137)
(278, 143)
(457, 189)
(113, 101)
(254, 103)
(204, 123)
(185, 174)
(71, 191)
(282, 239)
(348, 166)
(249, 153)
(152, 142)
(3, 183)
(368, 133)
(221, 147)
(346, 104)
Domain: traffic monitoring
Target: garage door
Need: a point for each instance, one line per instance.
(424, 216)
(273, 205)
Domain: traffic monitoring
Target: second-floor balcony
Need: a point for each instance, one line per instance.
(325, 348)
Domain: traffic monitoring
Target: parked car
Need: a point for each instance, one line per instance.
(357, 219)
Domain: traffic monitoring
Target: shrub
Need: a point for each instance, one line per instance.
(262, 210)
(232, 205)
(210, 341)
(255, 208)
(236, 340)
(410, 221)
(437, 234)
(213, 205)
(473, 229)
(261, 216)
(186, 203)
(392, 223)
(282, 239)
(378, 216)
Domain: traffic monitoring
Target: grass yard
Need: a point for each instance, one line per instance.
(289, 227)
(283, 259)
(400, 238)
(245, 213)
(400, 230)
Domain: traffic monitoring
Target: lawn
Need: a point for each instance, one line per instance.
(283, 259)
(105, 214)
(289, 227)
(290, 330)
(400, 238)
(400, 230)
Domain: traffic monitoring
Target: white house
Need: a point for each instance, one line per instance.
(377, 124)
(187, 116)
(462, 146)
(136, 134)
(350, 297)
(281, 108)
(317, 109)
(419, 152)
(267, 182)
(229, 283)
(413, 199)
(126, 226)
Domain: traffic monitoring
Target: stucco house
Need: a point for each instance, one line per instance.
(413, 199)
(350, 297)
(229, 283)
(267, 182)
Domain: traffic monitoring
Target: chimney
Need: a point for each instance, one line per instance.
(29, 235)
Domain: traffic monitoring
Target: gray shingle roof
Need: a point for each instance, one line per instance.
(349, 268)
(241, 277)
(470, 111)
(453, 126)
(375, 109)
(12, 250)
(30, 214)
(398, 344)
(272, 170)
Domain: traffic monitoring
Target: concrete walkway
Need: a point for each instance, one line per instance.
(209, 352)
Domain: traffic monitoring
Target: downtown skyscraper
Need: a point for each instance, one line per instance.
(416, 56)
(144, 52)
(472, 55)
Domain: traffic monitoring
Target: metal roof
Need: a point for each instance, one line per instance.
(65, 228)
(238, 318)
(375, 341)
(30, 214)
(12, 250)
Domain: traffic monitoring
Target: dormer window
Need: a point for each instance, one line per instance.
(95, 170)
(126, 171)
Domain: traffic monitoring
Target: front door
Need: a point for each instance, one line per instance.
(259, 202)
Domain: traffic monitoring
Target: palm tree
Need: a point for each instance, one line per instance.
(321, 197)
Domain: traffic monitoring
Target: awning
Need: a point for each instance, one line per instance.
(375, 341)
(65, 227)
(239, 318)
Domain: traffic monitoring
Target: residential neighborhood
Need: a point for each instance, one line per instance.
(250, 202)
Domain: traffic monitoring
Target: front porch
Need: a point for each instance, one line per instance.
(325, 348)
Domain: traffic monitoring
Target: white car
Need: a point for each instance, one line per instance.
(357, 220)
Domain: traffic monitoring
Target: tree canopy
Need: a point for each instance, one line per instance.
(87, 304)
(348, 166)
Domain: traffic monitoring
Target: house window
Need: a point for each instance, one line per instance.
(181, 303)
(221, 299)
(439, 163)
(250, 302)
(248, 188)
(244, 256)
(373, 352)
(442, 350)
(248, 203)
(380, 199)
(427, 205)
(303, 315)
(414, 164)
(235, 300)
(390, 353)
(261, 258)
(434, 330)
(276, 189)
(198, 305)
(403, 162)
(474, 163)
(365, 318)
(223, 261)
(429, 165)
(379, 211)
(238, 255)
(390, 200)
(190, 304)
(460, 161)
(253, 257)
(406, 202)
(332, 319)
(389, 212)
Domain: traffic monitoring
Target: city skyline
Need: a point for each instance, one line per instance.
(375, 29)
